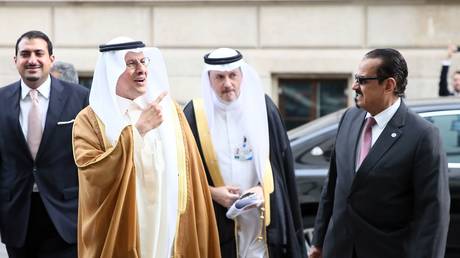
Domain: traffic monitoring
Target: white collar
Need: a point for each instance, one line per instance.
(125, 104)
(44, 89)
(385, 116)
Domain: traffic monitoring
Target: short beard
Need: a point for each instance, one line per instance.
(32, 79)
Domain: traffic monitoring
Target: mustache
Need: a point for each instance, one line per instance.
(356, 98)
(33, 66)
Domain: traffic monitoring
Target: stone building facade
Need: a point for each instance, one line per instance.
(305, 51)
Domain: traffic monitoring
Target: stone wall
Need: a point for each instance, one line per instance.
(311, 38)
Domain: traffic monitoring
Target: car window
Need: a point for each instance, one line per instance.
(449, 129)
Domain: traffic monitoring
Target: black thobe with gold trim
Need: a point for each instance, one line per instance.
(285, 232)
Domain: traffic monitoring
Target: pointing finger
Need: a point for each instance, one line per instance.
(160, 97)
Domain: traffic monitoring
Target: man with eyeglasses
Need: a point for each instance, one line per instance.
(143, 191)
(387, 193)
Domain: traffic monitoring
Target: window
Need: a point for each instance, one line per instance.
(449, 129)
(302, 100)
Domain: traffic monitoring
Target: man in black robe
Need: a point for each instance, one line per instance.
(245, 149)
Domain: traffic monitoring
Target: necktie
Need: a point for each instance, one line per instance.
(34, 125)
(366, 140)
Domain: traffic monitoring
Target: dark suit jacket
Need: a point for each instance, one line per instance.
(397, 203)
(54, 169)
(443, 91)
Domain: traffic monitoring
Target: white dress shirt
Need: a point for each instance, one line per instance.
(381, 120)
(25, 103)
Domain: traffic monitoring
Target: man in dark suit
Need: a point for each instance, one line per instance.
(38, 177)
(443, 89)
(387, 191)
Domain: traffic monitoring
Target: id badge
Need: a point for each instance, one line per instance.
(244, 152)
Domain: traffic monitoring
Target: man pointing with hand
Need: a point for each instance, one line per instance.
(151, 117)
(143, 191)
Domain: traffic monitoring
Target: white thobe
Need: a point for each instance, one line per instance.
(227, 138)
(151, 199)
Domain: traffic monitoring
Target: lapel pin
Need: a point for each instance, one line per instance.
(393, 135)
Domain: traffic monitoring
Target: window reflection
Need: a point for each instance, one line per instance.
(449, 129)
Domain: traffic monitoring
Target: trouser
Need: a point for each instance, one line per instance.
(354, 253)
(42, 240)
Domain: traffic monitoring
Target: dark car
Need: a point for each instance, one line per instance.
(313, 142)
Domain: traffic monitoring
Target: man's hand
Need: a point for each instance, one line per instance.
(315, 252)
(257, 190)
(151, 117)
(451, 49)
(225, 195)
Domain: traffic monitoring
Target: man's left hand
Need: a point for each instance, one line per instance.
(258, 190)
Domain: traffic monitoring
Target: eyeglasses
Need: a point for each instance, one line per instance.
(132, 64)
(361, 80)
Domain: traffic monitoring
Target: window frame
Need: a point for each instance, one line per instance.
(315, 78)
